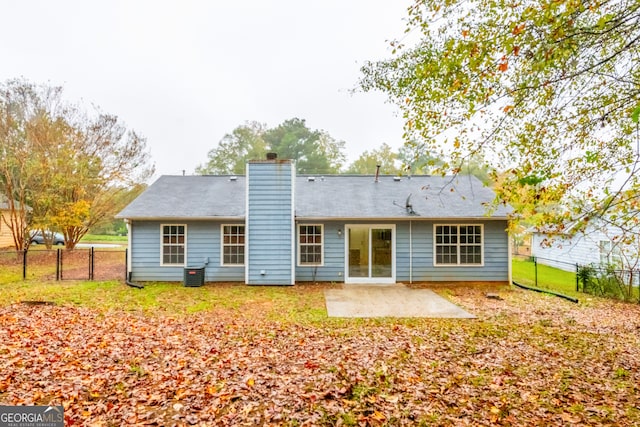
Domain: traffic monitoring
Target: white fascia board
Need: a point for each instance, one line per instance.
(403, 218)
(187, 218)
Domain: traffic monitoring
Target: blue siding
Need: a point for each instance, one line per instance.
(202, 246)
(272, 252)
(420, 267)
(496, 254)
(270, 223)
(332, 269)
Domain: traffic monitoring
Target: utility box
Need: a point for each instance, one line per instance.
(194, 276)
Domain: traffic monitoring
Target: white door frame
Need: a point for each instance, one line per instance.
(372, 280)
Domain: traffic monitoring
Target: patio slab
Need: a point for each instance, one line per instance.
(369, 301)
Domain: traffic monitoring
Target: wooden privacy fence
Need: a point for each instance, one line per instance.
(62, 264)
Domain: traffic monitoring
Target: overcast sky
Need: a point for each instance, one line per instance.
(184, 73)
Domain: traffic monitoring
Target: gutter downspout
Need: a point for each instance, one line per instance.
(410, 252)
(509, 260)
(129, 272)
(133, 284)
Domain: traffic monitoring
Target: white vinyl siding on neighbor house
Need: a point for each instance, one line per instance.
(173, 244)
(233, 245)
(458, 244)
(597, 245)
(310, 245)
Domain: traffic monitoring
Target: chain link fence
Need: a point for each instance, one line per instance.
(600, 280)
(62, 264)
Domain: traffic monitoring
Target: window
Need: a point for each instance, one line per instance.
(233, 245)
(458, 244)
(604, 247)
(310, 245)
(173, 244)
(610, 254)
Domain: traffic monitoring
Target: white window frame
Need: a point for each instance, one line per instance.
(604, 251)
(300, 244)
(223, 244)
(183, 244)
(458, 245)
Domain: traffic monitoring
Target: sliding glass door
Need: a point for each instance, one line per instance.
(370, 254)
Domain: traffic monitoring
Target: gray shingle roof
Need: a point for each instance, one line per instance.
(334, 196)
(198, 197)
(361, 197)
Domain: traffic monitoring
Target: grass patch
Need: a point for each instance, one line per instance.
(95, 238)
(524, 272)
(291, 304)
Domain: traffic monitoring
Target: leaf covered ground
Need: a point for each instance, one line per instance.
(528, 359)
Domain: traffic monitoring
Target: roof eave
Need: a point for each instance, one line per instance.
(181, 218)
(402, 218)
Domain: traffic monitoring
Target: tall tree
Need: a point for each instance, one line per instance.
(244, 143)
(547, 90)
(121, 197)
(74, 159)
(416, 159)
(368, 162)
(18, 103)
(314, 151)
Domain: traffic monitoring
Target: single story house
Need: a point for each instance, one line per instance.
(272, 227)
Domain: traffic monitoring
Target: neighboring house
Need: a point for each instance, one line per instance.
(6, 236)
(272, 227)
(598, 244)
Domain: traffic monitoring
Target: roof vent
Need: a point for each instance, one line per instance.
(233, 178)
(311, 178)
(397, 178)
(272, 156)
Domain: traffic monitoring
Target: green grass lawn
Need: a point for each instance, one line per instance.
(174, 299)
(524, 272)
(158, 295)
(95, 238)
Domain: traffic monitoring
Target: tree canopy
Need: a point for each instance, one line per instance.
(547, 92)
(64, 166)
(235, 149)
(368, 161)
(314, 151)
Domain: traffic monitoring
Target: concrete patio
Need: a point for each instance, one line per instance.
(370, 301)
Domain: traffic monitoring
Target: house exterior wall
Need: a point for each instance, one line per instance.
(270, 255)
(204, 246)
(420, 267)
(415, 236)
(332, 269)
(6, 238)
(564, 252)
